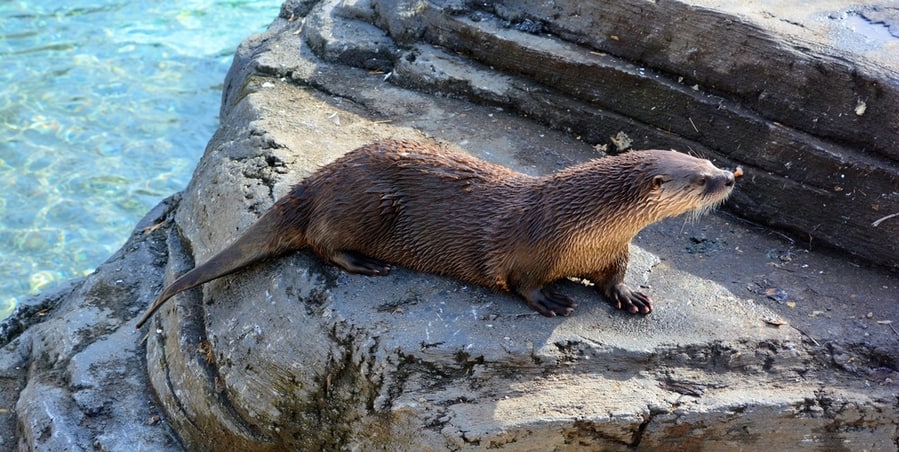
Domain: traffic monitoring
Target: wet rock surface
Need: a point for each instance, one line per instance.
(755, 342)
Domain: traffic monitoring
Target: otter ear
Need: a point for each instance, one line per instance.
(657, 182)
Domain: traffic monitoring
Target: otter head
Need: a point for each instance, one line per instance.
(684, 183)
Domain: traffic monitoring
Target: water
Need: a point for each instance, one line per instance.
(105, 108)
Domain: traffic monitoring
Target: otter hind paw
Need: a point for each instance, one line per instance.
(359, 263)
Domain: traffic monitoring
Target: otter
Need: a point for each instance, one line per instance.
(436, 211)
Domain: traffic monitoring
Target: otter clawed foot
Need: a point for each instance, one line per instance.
(549, 302)
(622, 297)
(354, 262)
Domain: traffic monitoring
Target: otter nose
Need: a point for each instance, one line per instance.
(729, 179)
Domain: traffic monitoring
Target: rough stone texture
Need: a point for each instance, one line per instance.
(293, 354)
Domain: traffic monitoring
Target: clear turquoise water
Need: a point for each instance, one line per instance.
(105, 108)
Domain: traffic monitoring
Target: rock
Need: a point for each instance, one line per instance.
(76, 374)
(294, 354)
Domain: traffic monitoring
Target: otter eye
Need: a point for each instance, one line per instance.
(657, 181)
(701, 181)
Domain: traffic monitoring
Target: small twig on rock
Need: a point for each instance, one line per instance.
(877, 223)
(807, 335)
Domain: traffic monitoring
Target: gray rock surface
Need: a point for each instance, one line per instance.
(755, 344)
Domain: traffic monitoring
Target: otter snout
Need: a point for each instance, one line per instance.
(729, 179)
(723, 180)
(716, 182)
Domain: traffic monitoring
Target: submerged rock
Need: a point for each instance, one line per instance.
(293, 354)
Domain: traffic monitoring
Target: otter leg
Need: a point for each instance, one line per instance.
(611, 282)
(354, 262)
(547, 301)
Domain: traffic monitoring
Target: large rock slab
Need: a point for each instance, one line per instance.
(294, 354)
(755, 344)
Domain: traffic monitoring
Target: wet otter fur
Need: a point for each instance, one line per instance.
(436, 211)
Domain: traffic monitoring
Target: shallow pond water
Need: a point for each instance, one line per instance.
(105, 108)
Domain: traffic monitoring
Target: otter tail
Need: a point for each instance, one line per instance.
(272, 235)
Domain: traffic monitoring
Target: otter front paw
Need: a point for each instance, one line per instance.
(622, 297)
(549, 302)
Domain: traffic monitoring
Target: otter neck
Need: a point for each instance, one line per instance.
(597, 188)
